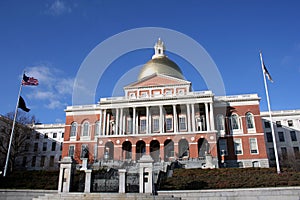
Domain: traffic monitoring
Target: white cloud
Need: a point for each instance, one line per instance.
(53, 90)
(58, 7)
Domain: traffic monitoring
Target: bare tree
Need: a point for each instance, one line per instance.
(21, 132)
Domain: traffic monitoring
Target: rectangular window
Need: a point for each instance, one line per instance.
(267, 124)
(278, 123)
(155, 124)
(238, 146)
(284, 153)
(143, 125)
(253, 146)
(53, 147)
(71, 151)
(223, 147)
(33, 161)
(269, 137)
(144, 94)
(290, 123)
(36, 146)
(84, 151)
(168, 92)
(51, 161)
(281, 137)
(129, 125)
(182, 123)
(293, 136)
(43, 158)
(54, 135)
(37, 136)
(45, 146)
(296, 153)
(61, 146)
(169, 124)
(271, 154)
(62, 135)
(46, 136)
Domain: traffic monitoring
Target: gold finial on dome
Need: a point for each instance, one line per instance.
(160, 64)
(159, 49)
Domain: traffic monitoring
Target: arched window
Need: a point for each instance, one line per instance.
(220, 122)
(235, 122)
(73, 129)
(85, 129)
(97, 128)
(249, 120)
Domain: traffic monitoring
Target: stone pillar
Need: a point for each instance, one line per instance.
(104, 123)
(116, 131)
(87, 183)
(161, 124)
(121, 123)
(193, 117)
(147, 119)
(188, 113)
(122, 180)
(100, 123)
(207, 118)
(175, 119)
(84, 164)
(145, 171)
(212, 121)
(133, 120)
(107, 124)
(65, 172)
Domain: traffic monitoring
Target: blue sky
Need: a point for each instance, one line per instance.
(50, 40)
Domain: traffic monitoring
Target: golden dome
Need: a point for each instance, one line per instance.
(160, 64)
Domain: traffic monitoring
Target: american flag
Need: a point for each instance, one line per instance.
(29, 80)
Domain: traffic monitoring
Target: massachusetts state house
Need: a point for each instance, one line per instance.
(159, 115)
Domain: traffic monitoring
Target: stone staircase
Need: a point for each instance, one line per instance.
(104, 196)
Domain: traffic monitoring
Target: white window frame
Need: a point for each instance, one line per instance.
(73, 130)
(97, 128)
(182, 117)
(69, 150)
(82, 147)
(220, 123)
(143, 125)
(252, 121)
(255, 147)
(155, 124)
(129, 125)
(238, 123)
(171, 127)
(238, 141)
(168, 92)
(144, 94)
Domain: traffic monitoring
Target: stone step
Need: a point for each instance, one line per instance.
(104, 196)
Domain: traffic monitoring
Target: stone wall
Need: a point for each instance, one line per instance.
(280, 193)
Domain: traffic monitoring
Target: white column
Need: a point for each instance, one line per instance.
(161, 119)
(116, 128)
(121, 123)
(147, 119)
(100, 122)
(133, 120)
(124, 123)
(207, 118)
(104, 122)
(137, 123)
(175, 119)
(188, 113)
(193, 117)
(150, 122)
(107, 123)
(212, 121)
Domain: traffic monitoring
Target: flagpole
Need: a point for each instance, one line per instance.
(270, 115)
(12, 132)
